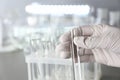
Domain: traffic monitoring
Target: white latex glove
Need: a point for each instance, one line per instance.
(103, 40)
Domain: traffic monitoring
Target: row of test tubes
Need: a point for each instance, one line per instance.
(50, 71)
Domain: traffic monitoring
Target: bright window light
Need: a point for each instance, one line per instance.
(57, 9)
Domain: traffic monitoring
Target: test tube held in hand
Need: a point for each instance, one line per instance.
(75, 55)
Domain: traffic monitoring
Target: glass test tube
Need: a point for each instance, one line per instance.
(74, 54)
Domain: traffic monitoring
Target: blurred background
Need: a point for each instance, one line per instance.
(26, 26)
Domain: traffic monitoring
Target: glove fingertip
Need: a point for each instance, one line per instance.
(79, 41)
(65, 37)
(76, 41)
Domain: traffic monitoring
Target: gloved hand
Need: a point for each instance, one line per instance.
(102, 44)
